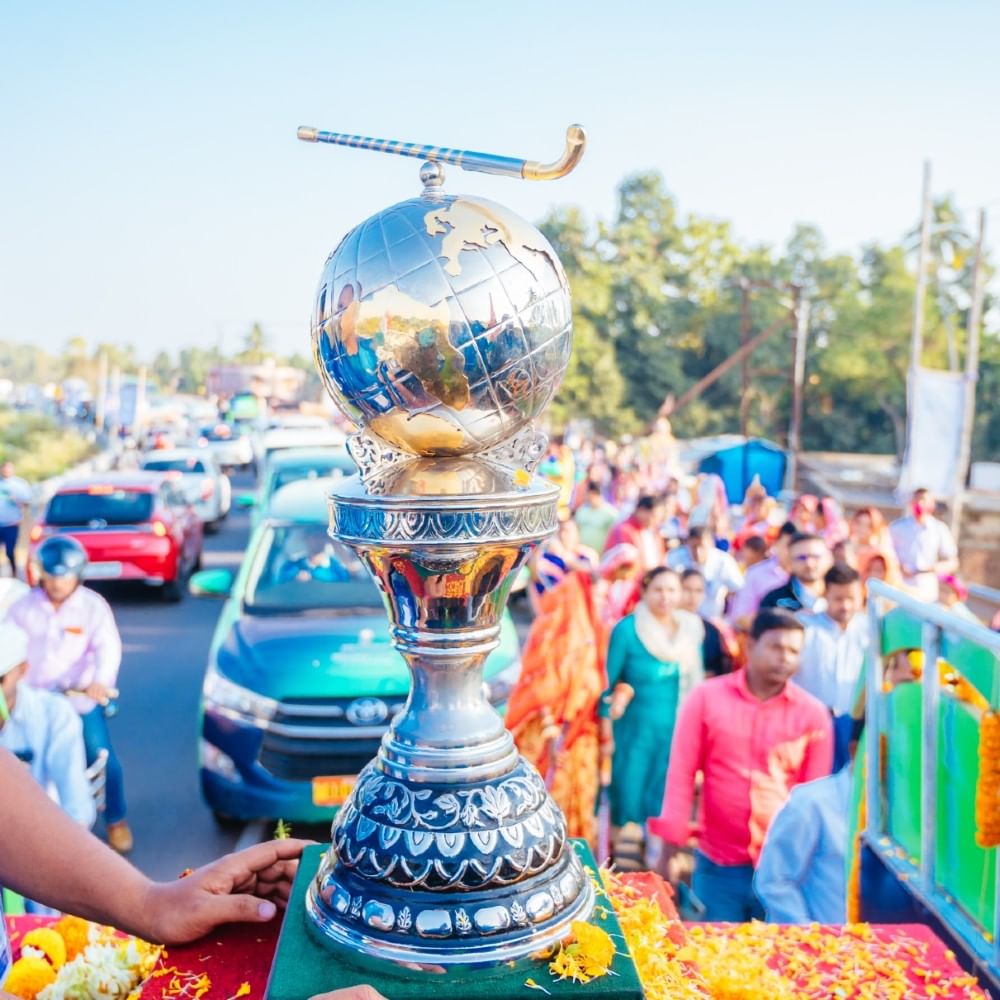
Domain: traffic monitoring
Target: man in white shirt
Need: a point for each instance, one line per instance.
(43, 730)
(925, 546)
(833, 653)
(15, 495)
(720, 570)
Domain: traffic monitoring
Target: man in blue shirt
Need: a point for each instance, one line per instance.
(43, 730)
(810, 559)
(801, 875)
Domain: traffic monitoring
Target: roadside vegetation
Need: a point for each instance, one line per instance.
(38, 446)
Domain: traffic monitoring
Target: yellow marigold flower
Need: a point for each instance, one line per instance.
(28, 977)
(49, 942)
(594, 943)
(75, 933)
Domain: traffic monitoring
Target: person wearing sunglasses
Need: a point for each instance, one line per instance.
(809, 559)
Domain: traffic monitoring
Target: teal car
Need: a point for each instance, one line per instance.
(288, 466)
(302, 680)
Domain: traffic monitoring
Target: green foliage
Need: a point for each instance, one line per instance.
(38, 447)
(656, 305)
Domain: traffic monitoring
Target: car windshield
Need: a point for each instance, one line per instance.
(312, 470)
(189, 464)
(221, 432)
(99, 504)
(300, 568)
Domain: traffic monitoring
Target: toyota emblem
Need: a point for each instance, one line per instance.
(367, 711)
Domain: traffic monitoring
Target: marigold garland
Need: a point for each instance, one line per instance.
(759, 961)
(988, 784)
(74, 958)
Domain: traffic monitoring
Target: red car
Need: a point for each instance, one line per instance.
(134, 526)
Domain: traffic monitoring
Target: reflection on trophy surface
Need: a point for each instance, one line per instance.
(442, 326)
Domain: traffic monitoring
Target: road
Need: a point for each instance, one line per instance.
(156, 729)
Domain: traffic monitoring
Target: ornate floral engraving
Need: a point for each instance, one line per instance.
(524, 450)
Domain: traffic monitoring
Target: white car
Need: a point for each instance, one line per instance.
(231, 446)
(199, 477)
(282, 438)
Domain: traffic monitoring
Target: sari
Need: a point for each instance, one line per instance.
(552, 711)
(879, 546)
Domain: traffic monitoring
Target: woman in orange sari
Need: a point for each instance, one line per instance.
(552, 712)
(874, 552)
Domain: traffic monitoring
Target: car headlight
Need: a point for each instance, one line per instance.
(250, 706)
(499, 686)
(214, 760)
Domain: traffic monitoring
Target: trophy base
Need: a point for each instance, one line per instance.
(303, 967)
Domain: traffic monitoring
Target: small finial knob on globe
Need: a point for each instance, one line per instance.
(443, 325)
(432, 176)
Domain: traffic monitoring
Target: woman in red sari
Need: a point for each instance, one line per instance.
(552, 711)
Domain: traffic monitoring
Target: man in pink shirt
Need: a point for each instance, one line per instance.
(754, 736)
(74, 645)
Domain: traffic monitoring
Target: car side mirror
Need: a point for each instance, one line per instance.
(246, 500)
(211, 583)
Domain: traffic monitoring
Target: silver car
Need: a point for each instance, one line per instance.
(199, 477)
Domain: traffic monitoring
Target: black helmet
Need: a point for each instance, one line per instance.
(61, 555)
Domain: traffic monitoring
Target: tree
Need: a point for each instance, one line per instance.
(593, 387)
(164, 370)
(254, 347)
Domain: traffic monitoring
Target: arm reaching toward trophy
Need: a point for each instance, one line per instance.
(49, 858)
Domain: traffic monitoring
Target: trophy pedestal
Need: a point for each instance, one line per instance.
(303, 967)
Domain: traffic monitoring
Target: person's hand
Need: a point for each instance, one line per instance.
(303, 576)
(97, 692)
(621, 697)
(675, 864)
(351, 993)
(247, 887)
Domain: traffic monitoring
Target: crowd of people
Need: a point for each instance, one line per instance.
(692, 662)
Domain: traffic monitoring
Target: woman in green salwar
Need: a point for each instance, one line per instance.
(654, 660)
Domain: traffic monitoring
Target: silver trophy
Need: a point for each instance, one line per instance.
(442, 328)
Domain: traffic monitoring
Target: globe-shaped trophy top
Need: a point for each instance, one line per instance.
(443, 324)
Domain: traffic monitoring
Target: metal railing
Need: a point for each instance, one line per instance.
(921, 879)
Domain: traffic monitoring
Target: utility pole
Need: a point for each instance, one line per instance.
(971, 377)
(745, 360)
(917, 334)
(798, 381)
(116, 406)
(140, 403)
(101, 404)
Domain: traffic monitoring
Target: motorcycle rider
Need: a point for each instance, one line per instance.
(74, 646)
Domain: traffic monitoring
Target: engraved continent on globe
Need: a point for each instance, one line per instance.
(443, 324)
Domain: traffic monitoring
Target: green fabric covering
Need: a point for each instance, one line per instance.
(11, 903)
(963, 869)
(977, 665)
(644, 733)
(302, 968)
(900, 630)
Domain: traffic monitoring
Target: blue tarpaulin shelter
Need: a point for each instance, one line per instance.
(738, 464)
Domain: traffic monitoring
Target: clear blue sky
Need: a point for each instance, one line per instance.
(153, 190)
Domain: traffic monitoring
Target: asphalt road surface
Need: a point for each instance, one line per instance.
(156, 729)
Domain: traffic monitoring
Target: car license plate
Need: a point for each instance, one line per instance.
(332, 791)
(103, 571)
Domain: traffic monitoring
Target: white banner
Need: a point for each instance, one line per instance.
(934, 430)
